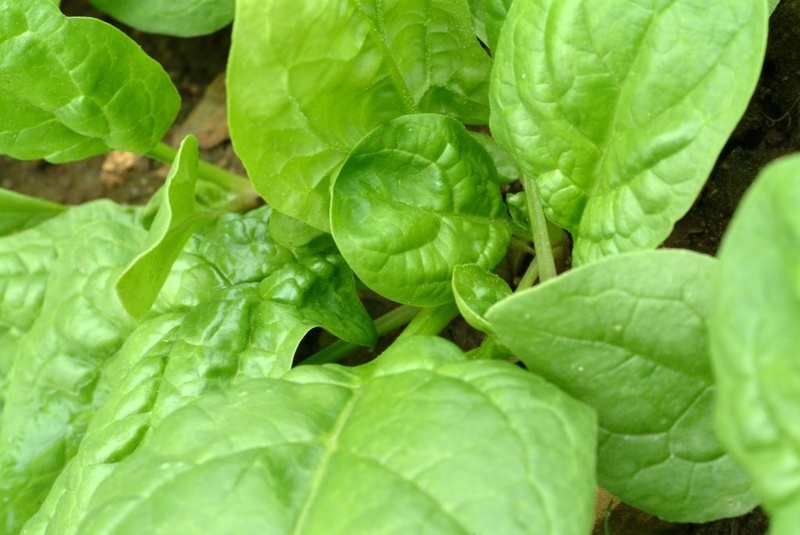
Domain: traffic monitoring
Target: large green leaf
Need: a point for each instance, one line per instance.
(628, 336)
(174, 223)
(307, 80)
(26, 259)
(76, 87)
(183, 18)
(57, 364)
(619, 110)
(755, 342)
(235, 305)
(416, 198)
(420, 441)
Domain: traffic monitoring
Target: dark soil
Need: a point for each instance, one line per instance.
(768, 130)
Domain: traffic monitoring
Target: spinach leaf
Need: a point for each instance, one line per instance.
(620, 110)
(627, 335)
(76, 87)
(393, 433)
(19, 212)
(476, 290)
(755, 342)
(176, 220)
(415, 198)
(183, 18)
(56, 367)
(496, 13)
(26, 259)
(304, 90)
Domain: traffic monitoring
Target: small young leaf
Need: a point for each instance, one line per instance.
(507, 169)
(175, 221)
(76, 87)
(307, 80)
(620, 110)
(19, 212)
(417, 197)
(627, 335)
(476, 290)
(755, 342)
(419, 441)
(182, 18)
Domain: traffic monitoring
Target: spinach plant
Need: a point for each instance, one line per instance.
(148, 379)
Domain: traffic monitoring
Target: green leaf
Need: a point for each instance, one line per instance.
(176, 220)
(755, 340)
(51, 382)
(619, 111)
(76, 87)
(507, 169)
(19, 212)
(496, 13)
(291, 232)
(414, 199)
(26, 259)
(627, 335)
(422, 440)
(475, 290)
(182, 18)
(298, 105)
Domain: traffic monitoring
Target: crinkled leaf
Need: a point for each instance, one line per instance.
(76, 87)
(51, 382)
(755, 342)
(619, 110)
(19, 212)
(176, 220)
(422, 440)
(26, 259)
(235, 306)
(182, 18)
(414, 199)
(628, 336)
(475, 290)
(308, 80)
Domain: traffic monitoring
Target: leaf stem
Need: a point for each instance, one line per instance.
(383, 325)
(206, 171)
(431, 321)
(529, 277)
(541, 239)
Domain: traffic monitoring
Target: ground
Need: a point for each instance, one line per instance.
(769, 129)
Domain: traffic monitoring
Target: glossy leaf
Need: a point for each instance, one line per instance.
(176, 220)
(51, 382)
(76, 87)
(394, 434)
(19, 212)
(507, 169)
(628, 336)
(182, 18)
(755, 343)
(619, 110)
(414, 199)
(476, 290)
(308, 80)
(26, 259)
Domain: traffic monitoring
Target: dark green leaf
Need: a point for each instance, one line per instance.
(619, 110)
(627, 335)
(755, 340)
(420, 441)
(414, 199)
(76, 87)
